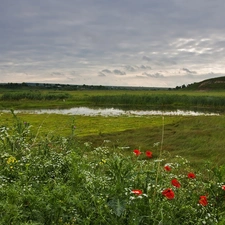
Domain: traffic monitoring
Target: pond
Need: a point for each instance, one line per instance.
(86, 111)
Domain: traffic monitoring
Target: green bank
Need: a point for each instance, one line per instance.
(133, 99)
(198, 138)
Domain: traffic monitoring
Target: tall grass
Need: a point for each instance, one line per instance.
(162, 100)
(57, 180)
(119, 98)
(33, 95)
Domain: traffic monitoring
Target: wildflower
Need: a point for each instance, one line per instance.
(26, 124)
(11, 160)
(223, 187)
(137, 152)
(137, 191)
(175, 183)
(167, 168)
(148, 154)
(156, 144)
(203, 200)
(102, 162)
(168, 193)
(191, 175)
(158, 160)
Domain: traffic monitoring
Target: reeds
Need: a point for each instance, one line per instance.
(33, 95)
(163, 100)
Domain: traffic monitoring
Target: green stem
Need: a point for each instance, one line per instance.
(160, 156)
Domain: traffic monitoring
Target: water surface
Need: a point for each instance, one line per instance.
(86, 111)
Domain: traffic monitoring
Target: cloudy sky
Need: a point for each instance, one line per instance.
(156, 43)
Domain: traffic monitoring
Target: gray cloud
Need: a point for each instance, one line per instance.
(73, 73)
(189, 71)
(156, 75)
(136, 68)
(57, 74)
(130, 68)
(145, 67)
(146, 58)
(100, 74)
(40, 37)
(106, 71)
(119, 72)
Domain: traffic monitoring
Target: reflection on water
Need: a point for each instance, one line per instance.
(85, 111)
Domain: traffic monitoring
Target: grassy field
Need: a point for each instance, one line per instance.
(198, 138)
(67, 170)
(25, 99)
(129, 173)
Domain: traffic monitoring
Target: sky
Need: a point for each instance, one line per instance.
(149, 43)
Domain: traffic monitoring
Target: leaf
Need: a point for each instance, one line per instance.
(118, 206)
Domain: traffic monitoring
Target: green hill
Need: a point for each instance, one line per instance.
(217, 83)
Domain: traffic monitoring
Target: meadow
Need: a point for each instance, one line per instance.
(161, 99)
(60, 169)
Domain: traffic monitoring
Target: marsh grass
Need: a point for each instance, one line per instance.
(33, 95)
(132, 99)
(160, 100)
(198, 139)
(54, 179)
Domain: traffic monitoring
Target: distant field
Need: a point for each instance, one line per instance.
(25, 99)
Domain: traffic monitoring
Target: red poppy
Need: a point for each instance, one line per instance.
(168, 193)
(148, 154)
(175, 183)
(137, 152)
(137, 191)
(191, 175)
(167, 168)
(203, 200)
(223, 187)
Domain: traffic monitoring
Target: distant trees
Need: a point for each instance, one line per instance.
(180, 87)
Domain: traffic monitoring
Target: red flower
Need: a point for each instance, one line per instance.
(203, 200)
(167, 168)
(148, 154)
(168, 193)
(137, 152)
(175, 183)
(223, 187)
(137, 191)
(191, 175)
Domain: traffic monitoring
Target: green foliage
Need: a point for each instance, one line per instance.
(160, 100)
(213, 84)
(39, 97)
(33, 95)
(197, 138)
(56, 180)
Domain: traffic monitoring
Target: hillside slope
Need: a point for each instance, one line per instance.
(217, 83)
